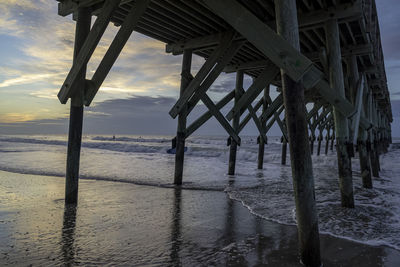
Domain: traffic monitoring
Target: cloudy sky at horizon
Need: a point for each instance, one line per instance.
(36, 47)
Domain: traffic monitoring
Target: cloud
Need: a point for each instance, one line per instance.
(134, 115)
(15, 117)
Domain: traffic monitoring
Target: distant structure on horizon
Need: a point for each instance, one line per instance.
(327, 53)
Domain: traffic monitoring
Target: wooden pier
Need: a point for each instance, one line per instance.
(323, 53)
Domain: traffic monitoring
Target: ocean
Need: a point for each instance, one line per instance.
(266, 193)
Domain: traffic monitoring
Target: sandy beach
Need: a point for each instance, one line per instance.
(124, 224)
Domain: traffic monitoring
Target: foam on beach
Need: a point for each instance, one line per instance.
(267, 193)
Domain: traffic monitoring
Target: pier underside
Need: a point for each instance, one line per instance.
(324, 53)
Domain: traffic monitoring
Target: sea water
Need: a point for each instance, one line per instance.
(267, 193)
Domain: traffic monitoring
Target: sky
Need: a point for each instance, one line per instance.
(36, 47)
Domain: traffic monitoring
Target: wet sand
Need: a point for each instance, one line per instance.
(125, 224)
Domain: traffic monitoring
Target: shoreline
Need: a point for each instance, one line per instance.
(151, 225)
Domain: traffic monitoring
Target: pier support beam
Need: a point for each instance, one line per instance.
(300, 156)
(371, 143)
(235, 123)
(374, 157)
(365, 165)
(327, 140)
(363, 152)
(320, 138)
(312, 139)
(341, 123)
(284, 151)
(261, 143)
(181, 131)
(76, 112)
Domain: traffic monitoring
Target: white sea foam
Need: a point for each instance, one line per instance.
(266, 193)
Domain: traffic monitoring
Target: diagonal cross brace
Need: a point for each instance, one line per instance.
(327, 121)
(234, 47)
(85, 53)
(253, 115)
(314, 110)
(266, 77)
(321, 118)
(272, 121)
(248, 116)
(202, 74)
(217, 114)
(278, 101)
(280, 52)
(207, 115)
(356, 118)
(115, 49)
(278, 120)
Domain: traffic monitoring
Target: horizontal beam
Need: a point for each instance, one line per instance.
(336, 12)
(314, 56)
(197, 43)
(305, 20)
(350, 50)
(67, 7)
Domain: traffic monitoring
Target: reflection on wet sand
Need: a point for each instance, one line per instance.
(68, 235)
(176, 228)
(130, 225)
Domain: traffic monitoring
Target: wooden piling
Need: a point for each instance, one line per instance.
(235, 123)
(371, 139)
(327, 140)
(341, 124)
(284, 151)
(300, 156)
(312, 139)
(76, 112)
(364, 158)
(181, 131)
(261, 143)
(320, 138)
(374, 157)
(365, 165)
